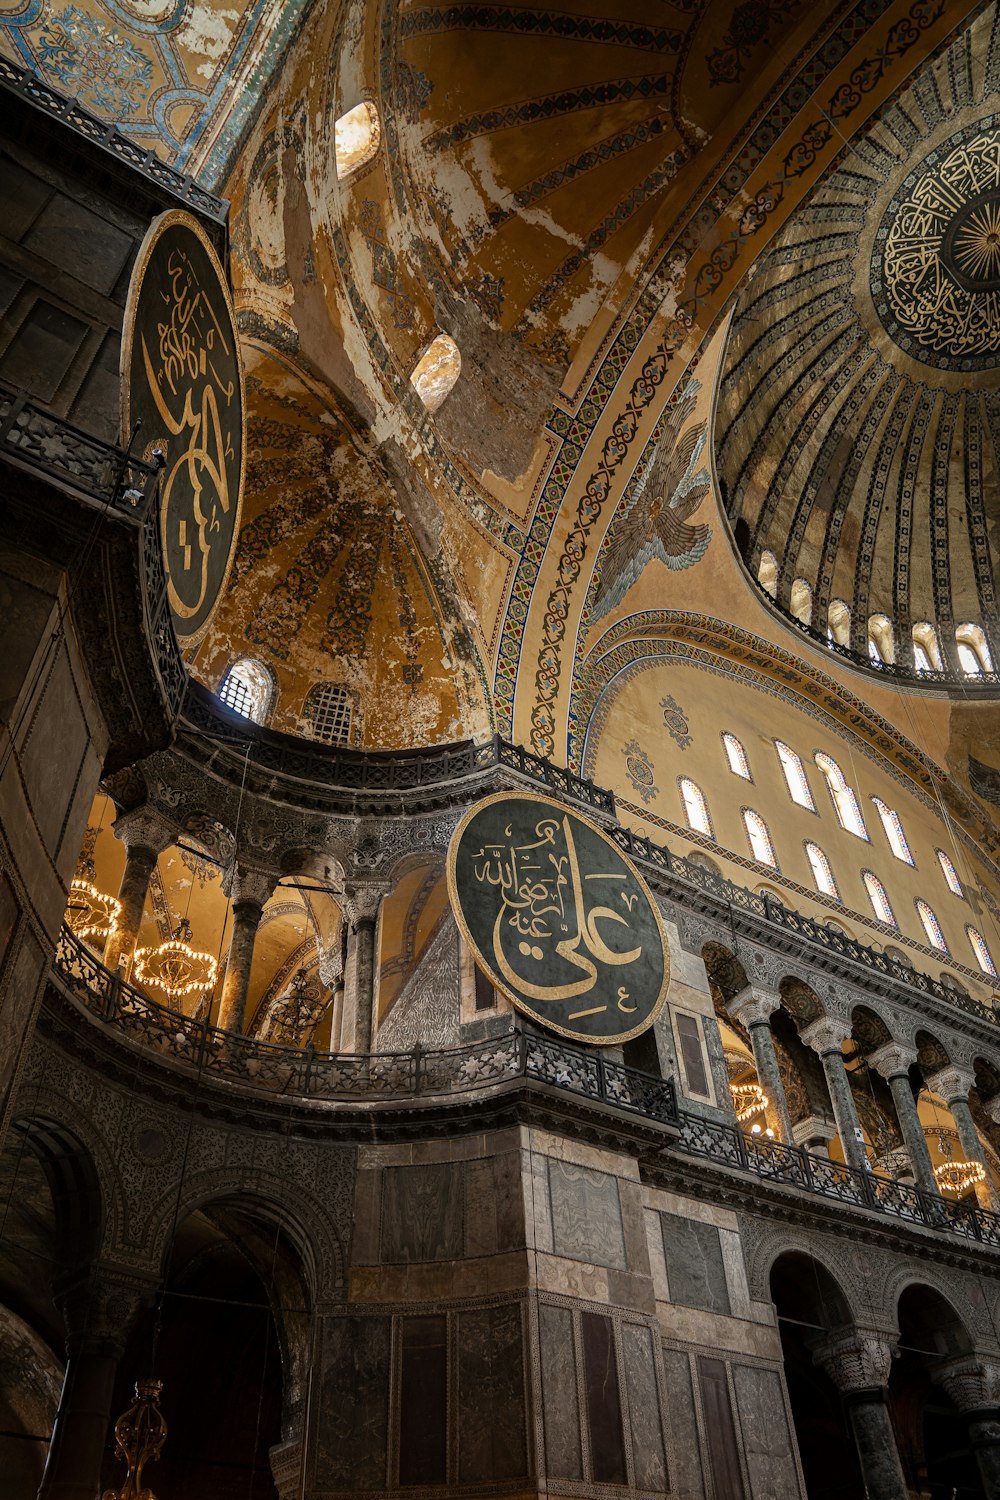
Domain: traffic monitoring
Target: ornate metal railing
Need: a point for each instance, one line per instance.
(29, 86)
(101, 471)
(382, 1076)
(789, 1166)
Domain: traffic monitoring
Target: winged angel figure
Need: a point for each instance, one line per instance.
(656, 523)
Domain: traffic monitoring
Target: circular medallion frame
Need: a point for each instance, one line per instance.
(632, 906)
(182, 378)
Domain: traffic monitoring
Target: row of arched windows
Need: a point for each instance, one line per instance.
(971, 647)
(328, 712)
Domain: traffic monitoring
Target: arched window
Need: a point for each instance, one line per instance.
(844, 800)
(436, 371)
(881, 639)
(800, 601)
(932, 926)
(950, 874)
(894, 831)
(822, 872)
(839, 622)
(767, 574)
(736, 756)
(695, 807)
(328, 712)
(973, 652)
(879, 898)
(356, 137)
(248, 689)
(795, 776)
(983, 956)
(758, 838)
(926, 648)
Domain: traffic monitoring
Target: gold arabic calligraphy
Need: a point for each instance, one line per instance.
(545, 908)
(190, 377)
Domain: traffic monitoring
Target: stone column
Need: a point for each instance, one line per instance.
(893, 1062)
(814, 1134)
(953, 1084)
(753, 1008)
(98, 1325)
(249, 888)
(362, 903)
(858, 1362)
(331, 972)
(827, 1036)
(145, 833)
(974, 1386)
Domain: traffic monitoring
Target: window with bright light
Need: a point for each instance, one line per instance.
(767, 574)
(844, 800)
(247, 689)
(894, 831)
(926, 647)
(695, 807)
(795, 776)
(736, 756)
(822, 871)
(932, 926)
(921, 660)
(950, 874)
(973, 652)
(329, 713)
(983, 956)
(356, 138)
(436, 371)
(879, 898)
(759, 838)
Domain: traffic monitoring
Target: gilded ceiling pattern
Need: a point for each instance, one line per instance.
(858, 433)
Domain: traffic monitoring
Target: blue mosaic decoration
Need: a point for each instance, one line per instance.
(104, 69)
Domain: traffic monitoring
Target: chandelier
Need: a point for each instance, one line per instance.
(956, 1176)
(89, 912)
(749, 1099)
(175, 967)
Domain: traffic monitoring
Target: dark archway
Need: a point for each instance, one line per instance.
(934, 1447)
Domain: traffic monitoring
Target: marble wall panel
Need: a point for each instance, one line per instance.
(696, 1271)
(492, 1428)
(560, 1409)
(720, 1430)
(648, 1457)
(353, 1418)
(686, 1469)
(767, 1442)
(586, 1215)
(422, 1213)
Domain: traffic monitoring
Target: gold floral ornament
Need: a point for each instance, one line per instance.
(956, 1176)
(175, 967)
(749, 1099)
(90, 912)
(140, 1434)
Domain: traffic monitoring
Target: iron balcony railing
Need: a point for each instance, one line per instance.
(338, 1078)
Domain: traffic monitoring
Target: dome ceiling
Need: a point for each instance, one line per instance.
(858, 422)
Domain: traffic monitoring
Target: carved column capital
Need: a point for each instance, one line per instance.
(856, 1359)
(826, 1034)
(992, 1108)
(331, 966)
(951, 1083)
(892, 1060)
(362, 901)
(753, 1006)
(99, 1309)
(145, 827)
(971, 1382)
(249, 885)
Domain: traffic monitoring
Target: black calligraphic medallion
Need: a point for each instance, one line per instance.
(558, 918)
(182, 380)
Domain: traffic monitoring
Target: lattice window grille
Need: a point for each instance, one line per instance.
(329, 713)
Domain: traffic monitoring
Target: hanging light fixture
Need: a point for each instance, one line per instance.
(175, 967)
(749, 1099)
(956, 1176)
(89, 912)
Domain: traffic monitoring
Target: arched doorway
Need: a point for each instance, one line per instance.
(934, 1447)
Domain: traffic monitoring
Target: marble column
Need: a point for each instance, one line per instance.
(893, 1063)
(249, 887)
(827, 1035)
(753, 1009)
(362, 903)
(974, 1386)
(97, 1329)
(858, 1363)
(145, 833)
(953, 1085)
(331, 972)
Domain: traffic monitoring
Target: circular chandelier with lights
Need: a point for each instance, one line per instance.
(175, 967)
(749, 1099)
(956, 1176)
(89, 912)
